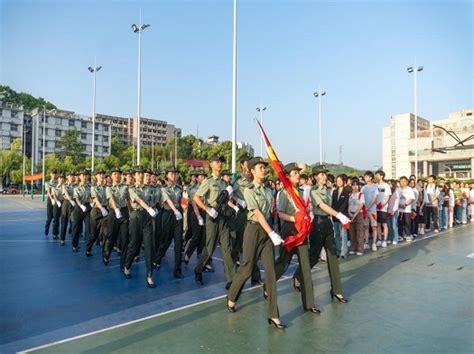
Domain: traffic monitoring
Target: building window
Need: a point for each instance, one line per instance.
(83, 136)
(14, 127)
(96, 137)
(1, 112)
(106, 128)
(14, 114)
(71, 123)
(84, 125)
(96, 148)
(105, 150)
(96, 126)
(58, 133)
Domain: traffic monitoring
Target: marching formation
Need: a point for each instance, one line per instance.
(130, 211)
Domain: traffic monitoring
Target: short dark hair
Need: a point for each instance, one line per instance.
(404, 177)
(331, 177)
(381, 173)
(369, 173)
(432, 176)
(343, 176)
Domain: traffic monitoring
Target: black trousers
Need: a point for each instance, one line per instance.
(78, 217)
(53, 214)
(117, 231)
(98, 227)
(406, 224)
(172, 230)
(66, 211)
(198, 235)
(432, 212)
(322, 235)
(140, 230)
(157, 229)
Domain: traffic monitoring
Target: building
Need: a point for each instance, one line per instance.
(213, 140)
(15, 122)
(121, 127)
(445, 147)
(247, 147)
(171, 130)
(60, 121)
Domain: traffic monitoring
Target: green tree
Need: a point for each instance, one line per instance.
(24, 99)
(69, 145)
(10, 160)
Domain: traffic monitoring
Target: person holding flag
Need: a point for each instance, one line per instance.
(286, 211)
(322, 234)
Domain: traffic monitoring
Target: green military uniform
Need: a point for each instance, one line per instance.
(217, 229)
(322, 235)
(286, 205)
(66, 208)
(198, 232)
(188, 234)
(98, 220)
(257, 244)
(117, 228)
(49, 206)
(56, 191)
(81, 193)
(157, 228)
(140, 228)
(172, 229)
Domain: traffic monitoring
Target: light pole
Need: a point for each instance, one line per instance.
(319, 94)
(23, 131)
(94, 71)
(175, 148)
(261, 110)
(414, 70)
(234, 93)
(43, 162)
(139, 29)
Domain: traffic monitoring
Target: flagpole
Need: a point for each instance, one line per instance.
(234, 93)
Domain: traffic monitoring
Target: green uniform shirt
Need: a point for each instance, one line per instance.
(319, 194)
(285, 203)
(119, 193)
(57, 191)
(174, 193)
(257, 196)
(98, 191)
(240, 185)
(210, 189)
(69, 189)
(49, 185)
(157, 195)
(83, 193)
(145, 193)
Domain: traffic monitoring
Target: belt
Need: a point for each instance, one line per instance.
(253, 222)
(322, 216)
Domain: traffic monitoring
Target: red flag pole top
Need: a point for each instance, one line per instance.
(302, 220)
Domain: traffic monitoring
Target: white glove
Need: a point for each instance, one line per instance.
(73, 203)
(118, 214)
(229, 189)
(212, 212)
(156, 210)
(104, 212)
(83, 208)
(276, 239)
(200, 220)
(242, 203)
(236, 209)
(58, 203)
(311, 216)
(343, 219)
(151, 212)
(178, 215)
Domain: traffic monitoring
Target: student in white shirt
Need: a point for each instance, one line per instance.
(383, 197)
(407, 197)
(431, 202)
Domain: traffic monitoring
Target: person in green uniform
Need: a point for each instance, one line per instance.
(322, 234)
(117, 220)
(171, 221)
(237, 224)
(196, 223)
(56, 192)
(189, 211)
(217, 230)
(140, 226)
(99, 211)
(67, 205)
(80, 214)
(157, 196)
(50, 201)
(259, 242)
(286, 212)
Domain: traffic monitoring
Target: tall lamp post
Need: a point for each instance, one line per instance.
(44, 154)
(414, 70)
(261, 110)
(319, 94)
(139, 29)
(234, 93)
(94, 71)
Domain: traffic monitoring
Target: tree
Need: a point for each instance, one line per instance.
(69, 145)
(10, 160)
(24, 99)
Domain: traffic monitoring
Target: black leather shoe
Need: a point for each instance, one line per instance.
(186, 259)
(55, 237)
(62, 243)
(76, 249)
(314, 310)
(105, 261)
(209, 268)
(198, 278)
(178, 274)
(127, 275)
(88, 253)
(227, 286)
(265, 295)
(151, 285)
(296, 287)
(157, 266)
(136, 259)
(277, 325)
(231, 309)
(339, 298)
(256, 282)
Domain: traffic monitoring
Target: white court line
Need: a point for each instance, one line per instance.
(283, 278)
(470, 255)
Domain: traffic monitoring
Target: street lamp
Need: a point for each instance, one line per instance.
(414, 70)
(139, 29)
(319, 94)
(261, 110)
(94, 71)
(234, 92)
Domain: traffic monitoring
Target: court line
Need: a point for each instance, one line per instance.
(283, 278)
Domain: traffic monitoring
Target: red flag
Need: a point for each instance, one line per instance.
(302, 220)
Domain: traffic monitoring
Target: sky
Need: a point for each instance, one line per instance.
(356, 51)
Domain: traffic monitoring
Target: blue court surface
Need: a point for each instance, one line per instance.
(404, 299)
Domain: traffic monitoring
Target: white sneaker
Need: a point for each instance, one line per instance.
(400, 239)
(348, 243)
(384, 244)
(395, 243)
(389, 242)
(408, 239)
(374, 247)
(379, 243)
(366, 246)
(436, 231)
(359, 254)
(351, 252)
